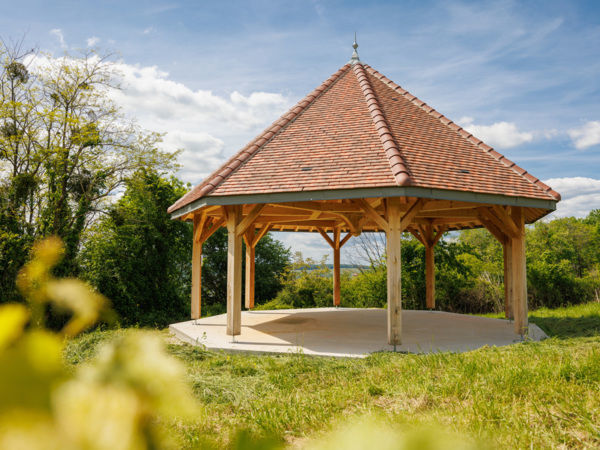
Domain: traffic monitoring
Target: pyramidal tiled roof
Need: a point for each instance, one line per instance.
(361, 130)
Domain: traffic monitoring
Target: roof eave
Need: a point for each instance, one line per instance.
(341, 194)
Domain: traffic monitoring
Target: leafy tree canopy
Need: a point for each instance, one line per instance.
(65, 148)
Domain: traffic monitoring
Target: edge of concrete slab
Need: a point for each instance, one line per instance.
(229, 346)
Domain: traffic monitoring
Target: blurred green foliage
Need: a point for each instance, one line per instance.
(123, 398)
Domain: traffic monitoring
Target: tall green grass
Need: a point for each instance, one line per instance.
(533, 394)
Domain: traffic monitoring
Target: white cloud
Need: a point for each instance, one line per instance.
(311, 245)
(148, 30)
(208, 127)
(92, 41)
(57, 32)
(499, 135)
(579, 196)
(587, 135)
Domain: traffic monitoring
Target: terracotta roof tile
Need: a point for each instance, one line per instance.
(359, 129)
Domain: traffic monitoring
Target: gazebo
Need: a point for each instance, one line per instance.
(361, 154)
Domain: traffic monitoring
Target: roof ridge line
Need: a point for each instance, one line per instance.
(217, 177)
(397, 163)
(465, 134)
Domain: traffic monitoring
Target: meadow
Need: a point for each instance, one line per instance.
(532, 394)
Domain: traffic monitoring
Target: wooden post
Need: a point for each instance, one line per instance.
(519, 272)
(196, 304)
(336, 244)
(250, 261)
(336, 267)
(394, 292)
(234, 271)
(508, 295)
(429, 276)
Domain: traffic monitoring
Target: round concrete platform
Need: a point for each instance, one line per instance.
(349, 332)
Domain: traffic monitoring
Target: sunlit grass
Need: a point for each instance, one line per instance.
(534, 394)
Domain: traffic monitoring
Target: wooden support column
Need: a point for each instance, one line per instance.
(196, 306)
(252, 238)
(519, 273)
(429, 237)
(336, 244)
(204, 227)
(234, 271)
(495, 224)
(394, 292)
(250, 260)
(507, 256)
(429, 277)
(336, 267)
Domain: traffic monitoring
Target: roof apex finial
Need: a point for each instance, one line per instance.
(355, 59)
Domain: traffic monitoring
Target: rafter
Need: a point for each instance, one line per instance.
(372, 213)
(345, 239)
(264, 230)
(411, 213)
(417, 235)
(241, 228)
(506, 219)
(210, 229)
(326, 237)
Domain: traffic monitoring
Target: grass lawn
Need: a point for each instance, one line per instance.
(539, 395)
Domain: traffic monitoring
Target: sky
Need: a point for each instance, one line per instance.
(522, 76)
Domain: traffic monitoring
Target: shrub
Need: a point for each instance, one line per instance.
(306, 284)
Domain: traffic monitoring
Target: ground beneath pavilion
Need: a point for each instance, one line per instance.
(349, 332)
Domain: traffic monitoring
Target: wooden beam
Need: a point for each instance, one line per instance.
(353, 221)
(485, 214)
(440, 232)
(249, 219)
(411, 213)
(509, 224)
(264, 230)
(196, 300)
(325, 223)
(519, 274)
(234, 271)
(417, 235)
(492, 228)
(199, 225)
(394, 271)
(373, 214)
(250, 261)
(462, 213)
(346, 238)
(326, 237)
(325, 207)
(216, 223)
(443, 205)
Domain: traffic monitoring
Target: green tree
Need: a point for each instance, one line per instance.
(140, 258)
(65, 148)
(271, 257)
(306, 283)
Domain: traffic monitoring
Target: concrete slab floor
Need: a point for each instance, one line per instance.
(349, 332)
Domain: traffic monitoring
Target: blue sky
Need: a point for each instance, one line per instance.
(523, 76)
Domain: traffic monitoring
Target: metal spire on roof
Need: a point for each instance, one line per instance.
(354, 58)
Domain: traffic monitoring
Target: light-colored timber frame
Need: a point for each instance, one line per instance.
(426, 216)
